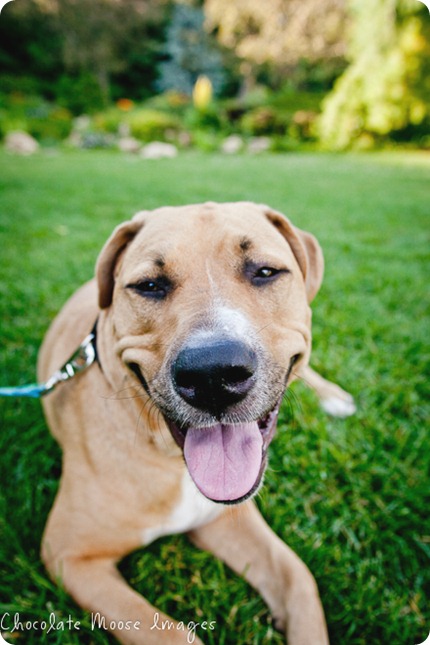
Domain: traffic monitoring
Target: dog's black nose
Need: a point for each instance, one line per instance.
(216, 375)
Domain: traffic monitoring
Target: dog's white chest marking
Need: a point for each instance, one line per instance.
(192, 511)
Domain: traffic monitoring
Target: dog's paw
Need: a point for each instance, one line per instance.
(337, 406)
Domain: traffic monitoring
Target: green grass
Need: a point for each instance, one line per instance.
(352, 497)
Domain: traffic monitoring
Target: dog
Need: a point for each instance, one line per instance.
(203, 320)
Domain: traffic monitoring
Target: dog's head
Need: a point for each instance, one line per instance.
(209, 309)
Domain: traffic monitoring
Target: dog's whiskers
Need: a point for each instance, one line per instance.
(292, 404)
(264, 327)
(118, 396)
(148, 408)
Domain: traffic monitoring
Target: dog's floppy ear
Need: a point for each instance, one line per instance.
(306, 250)
(109, 256)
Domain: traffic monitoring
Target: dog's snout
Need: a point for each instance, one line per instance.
(216, 375)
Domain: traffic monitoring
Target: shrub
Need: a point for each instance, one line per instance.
(234, 109)
(49, 123)
(384, 92)
(263, 121)
(287, 143)
(109, 120)
(44, 121)
(80, 94)
(172, 102)
(205, 140)
(303, 125)
(11, 123)
(291, 101)
(150, 125)
(211, 117)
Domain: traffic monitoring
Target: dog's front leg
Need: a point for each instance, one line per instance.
(242, 539)
(96, 585)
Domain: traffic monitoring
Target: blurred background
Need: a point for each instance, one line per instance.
(97, 85)
(215, 74)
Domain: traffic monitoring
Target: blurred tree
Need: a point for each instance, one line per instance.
(280, 33)
(30, 49)
(191, 52)
(386, 88)
(96, 33)
(82, 52)
(141, 52)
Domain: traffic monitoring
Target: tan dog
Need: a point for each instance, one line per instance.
(203, 320)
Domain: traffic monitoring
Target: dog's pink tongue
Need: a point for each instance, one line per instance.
(224, 461)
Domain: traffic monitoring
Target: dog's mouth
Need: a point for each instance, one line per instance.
(227, 461)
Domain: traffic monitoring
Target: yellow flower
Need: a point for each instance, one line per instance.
(202, 93)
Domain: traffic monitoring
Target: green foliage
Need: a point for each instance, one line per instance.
(79, 93)
(150, 125)
(213, 117)
(385, 91)
(109, 120)
(350, 496)
(30, 49)
(292, 100)
(168, 116)
(11, 121)
(206, 140)
(264, 120)
(131, 50)
(172, 101)
(316, 76)
(144, 123)
(287, 143)
(289, 116)
(44, 121)
(81, 53)
(141, 51)
(50, 123)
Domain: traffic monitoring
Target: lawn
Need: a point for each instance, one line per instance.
(352, 496)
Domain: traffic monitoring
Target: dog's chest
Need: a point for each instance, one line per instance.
(192, 511)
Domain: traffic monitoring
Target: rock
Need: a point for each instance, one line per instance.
(158, 150)
(91, 140)
(232, 145)
(74, 139)
(81, 123)
(259, 144)
(21, 143)
(124, 130)
(129, 144)
(184, 139)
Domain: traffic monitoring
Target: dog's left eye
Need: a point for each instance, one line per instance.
(263, 275)
(266, 272)
(157, 288)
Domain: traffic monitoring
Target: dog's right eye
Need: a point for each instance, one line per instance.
(158, 288)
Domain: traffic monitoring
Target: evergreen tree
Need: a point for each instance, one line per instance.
(191, 52)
